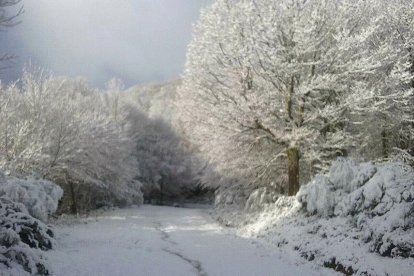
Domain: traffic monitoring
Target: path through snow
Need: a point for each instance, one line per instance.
(153, 240)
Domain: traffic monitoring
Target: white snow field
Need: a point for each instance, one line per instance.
(155, 240)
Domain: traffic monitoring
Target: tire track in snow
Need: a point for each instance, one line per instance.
(164, 235)
(194, 263)
(166, 238)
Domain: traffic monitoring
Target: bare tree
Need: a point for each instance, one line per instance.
(8, 19)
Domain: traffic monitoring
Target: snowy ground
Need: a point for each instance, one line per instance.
(153, 240)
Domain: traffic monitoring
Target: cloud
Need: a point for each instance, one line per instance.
(135, 40)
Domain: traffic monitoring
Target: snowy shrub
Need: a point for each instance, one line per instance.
(130, 194)
(21, 236)
(40, 197)
(31, 231)
(231, 192)
(260, 197)
(21, 260)
(318, 196)
(377, 199)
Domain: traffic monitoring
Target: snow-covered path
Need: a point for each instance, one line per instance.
(153, 240)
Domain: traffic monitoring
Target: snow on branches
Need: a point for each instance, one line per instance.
(60, 129)
(296, 80)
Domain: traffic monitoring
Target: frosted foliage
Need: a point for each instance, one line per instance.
(378, 199)
(40, 197)
(63, 130)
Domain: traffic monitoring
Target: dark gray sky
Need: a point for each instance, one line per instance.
(138, 41)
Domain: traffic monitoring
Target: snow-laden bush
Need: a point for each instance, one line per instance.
(21, 236)
(260, 197)
(319, 196)
(40, 197)
(232, 193)
(377, 199)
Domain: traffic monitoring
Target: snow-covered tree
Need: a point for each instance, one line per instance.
(169, 164)
(287, 77)
(165, 166)
(387, 112)
(61, 130)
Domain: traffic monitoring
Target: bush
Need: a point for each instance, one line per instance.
(260, 197)
(40, 197)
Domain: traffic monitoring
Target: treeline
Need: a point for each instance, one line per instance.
(96, 144)
(274, 91)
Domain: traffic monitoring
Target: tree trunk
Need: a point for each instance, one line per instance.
(384, 140)
(73, 203)
(293, 170)
(411, 60)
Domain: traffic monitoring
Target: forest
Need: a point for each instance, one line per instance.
(294, 118)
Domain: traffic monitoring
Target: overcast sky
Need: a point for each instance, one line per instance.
(138, 41)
